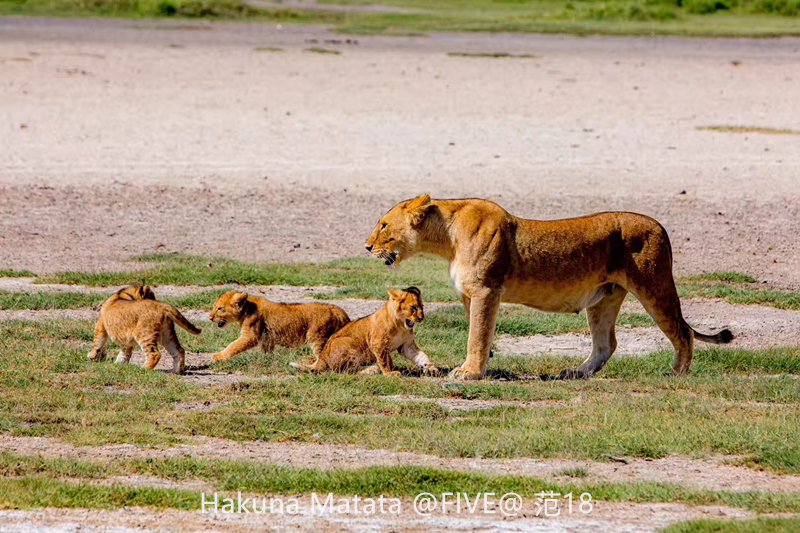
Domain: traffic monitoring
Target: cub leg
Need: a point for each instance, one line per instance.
(171, 343)
(482, 321)
(242, 344)
(124, 355)
(602, 318)
(411, 351)
(98, 352)
(384, 356)
(149, 344)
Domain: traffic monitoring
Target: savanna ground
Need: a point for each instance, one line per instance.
(196, 156)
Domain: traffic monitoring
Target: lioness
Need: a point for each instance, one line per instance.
(269, 324)
(560, 266)
(358, 346)
(132, 315)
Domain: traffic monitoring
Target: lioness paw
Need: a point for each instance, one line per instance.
(218, 357)
(465, 374)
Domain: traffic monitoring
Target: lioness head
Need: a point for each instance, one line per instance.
(228, 308)
(408, 306)
(395, 236)
(136, 292)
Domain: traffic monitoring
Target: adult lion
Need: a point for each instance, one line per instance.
(559, 266)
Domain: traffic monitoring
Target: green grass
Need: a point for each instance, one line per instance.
(749, 129)
(29, 487)
(10, 273)
(354, 278)
(716, 18)
(491, 54)
(759, 525)
(731, 403)
(323, 51)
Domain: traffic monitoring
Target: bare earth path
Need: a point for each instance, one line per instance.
(124, 137)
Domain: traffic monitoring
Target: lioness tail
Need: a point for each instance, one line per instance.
(723, 337)
(181, 320)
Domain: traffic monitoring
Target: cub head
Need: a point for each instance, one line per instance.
(136, 292)
(395, 236)
(408, 306)
(228, 308)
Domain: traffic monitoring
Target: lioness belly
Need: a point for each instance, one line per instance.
(553, 297)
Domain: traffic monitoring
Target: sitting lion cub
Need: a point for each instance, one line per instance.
(133, 316)
(360, 344)
(273, 324)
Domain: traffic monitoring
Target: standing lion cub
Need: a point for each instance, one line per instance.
(358, 346)
(133, 316)
(273, 324)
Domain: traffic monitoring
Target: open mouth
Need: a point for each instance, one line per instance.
(409, 324)
(221, 323)
(389, 258)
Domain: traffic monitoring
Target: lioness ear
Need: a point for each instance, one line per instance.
(416, 208)
(239, 298)
(394, 294)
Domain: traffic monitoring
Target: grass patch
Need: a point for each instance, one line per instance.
(749, 129)
(731, 403)
(251, 477)
(491, 54)
(758, 525)
(718, 18)
(725, 276)
(316, 50)
(16, 273)
(268, 49)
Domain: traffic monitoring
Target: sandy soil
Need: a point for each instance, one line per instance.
(711, 473)
(123, 138)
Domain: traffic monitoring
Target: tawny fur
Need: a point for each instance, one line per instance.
(366, 345)
(561, 266)
(271, 324)
(133, 316)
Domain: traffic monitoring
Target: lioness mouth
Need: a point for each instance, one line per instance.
(389, 258)
(410, 324)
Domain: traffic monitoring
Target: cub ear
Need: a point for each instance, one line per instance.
(239, 298)
(146, 293)
(394, 294)
(416, 208)
(414, 290)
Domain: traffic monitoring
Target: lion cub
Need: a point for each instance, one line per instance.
(372, 339)
(273, 324)
(133, 316)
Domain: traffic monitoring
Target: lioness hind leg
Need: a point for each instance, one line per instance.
(602, 318)
(665, 308)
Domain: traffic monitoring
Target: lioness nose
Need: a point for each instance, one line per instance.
(369, 247)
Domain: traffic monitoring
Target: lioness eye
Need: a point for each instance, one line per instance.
(219, 309)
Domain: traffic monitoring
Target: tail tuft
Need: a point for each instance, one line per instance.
(723, 337)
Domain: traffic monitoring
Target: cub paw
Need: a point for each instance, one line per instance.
(571, 373)
(465, 374)
(430, 371)
(94, 355)
(393, 373)
(218, 357)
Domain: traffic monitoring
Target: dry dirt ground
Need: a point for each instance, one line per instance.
(122, 137)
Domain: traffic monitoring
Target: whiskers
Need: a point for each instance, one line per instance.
(389, 258)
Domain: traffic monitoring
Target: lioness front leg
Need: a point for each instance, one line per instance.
(482, 321)
(242, 344)
(411, 351)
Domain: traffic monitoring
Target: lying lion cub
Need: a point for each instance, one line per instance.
(132, 315)
(360, 344)
(273, 324)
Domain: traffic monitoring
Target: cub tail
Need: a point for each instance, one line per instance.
(181, 320)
